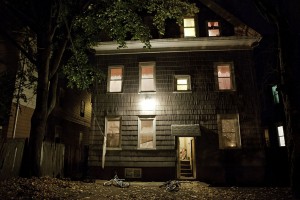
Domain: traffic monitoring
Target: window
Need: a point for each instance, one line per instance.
(281, 136)
(224, 74)
(275, 94)
(189, 29)
(182, 83)
(147, 77)
(112, 132)
(267, 137)
(146, 138)
(115, 79)
(213, 28)
(229, 131)
(82, 108)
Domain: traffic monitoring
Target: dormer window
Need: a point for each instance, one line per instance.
(213, 28)
(189, 29)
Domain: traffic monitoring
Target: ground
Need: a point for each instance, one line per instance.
(52, 188)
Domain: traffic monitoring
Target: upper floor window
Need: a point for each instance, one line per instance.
(213, 28)
(229, 131)
(112, 131)
(147, 77)
(189, 29)
(115, 79)
(275, 94)
(182, 83)
(146, 138)
(225, 76)
(281, 136)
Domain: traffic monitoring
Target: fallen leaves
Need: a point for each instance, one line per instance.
(52, 188)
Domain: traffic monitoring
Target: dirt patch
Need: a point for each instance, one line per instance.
(52, 188)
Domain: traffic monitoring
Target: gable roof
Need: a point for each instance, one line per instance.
(244, 38)
(240, 28)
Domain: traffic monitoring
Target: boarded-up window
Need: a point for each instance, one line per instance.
(147, 77)
(115, 76)
(113, 126)
(213, 28)
(189, 27)
(224, 73)
(182, 83)
(146, 133)
(229, 131)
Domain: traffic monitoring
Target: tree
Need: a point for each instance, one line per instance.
(280, 14)
(64, 32)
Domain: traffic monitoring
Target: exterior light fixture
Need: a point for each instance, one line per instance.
(148, 103)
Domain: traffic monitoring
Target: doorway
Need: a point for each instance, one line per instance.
(186, 165)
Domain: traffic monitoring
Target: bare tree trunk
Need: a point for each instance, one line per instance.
(40, 114)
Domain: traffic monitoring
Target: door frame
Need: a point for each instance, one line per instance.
(193, 157)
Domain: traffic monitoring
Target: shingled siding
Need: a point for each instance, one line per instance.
(200, 106)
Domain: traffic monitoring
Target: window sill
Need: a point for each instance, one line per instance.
(184, 91)
(113, 149)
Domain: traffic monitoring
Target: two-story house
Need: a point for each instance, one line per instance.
(187, 108)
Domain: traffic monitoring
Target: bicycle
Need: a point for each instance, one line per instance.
(171, 185)
(116, 181)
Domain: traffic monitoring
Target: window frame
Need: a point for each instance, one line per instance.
(140, 119)
(237, 132)
(188, 77)
(109, 78)
(279, 136)
(146, 64)
(232, 76)
(117, 118)
(217, 27)
(275, 94)
(184, 27)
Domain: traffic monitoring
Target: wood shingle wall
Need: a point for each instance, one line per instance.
(200, 106)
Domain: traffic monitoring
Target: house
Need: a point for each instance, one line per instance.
(68, 124)
(188, 108)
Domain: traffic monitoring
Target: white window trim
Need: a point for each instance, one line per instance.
(141, 65)
(232, 75)
(154, 132)
(188, 77)
(109, 77)
(238, 133)
(184, 27)
(120, 133)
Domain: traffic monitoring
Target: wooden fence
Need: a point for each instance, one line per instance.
(12, 153)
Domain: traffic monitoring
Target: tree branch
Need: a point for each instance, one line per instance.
(52, 94)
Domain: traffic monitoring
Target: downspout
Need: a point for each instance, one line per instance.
(18, 104)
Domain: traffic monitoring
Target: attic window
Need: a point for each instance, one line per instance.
(213, 28)
(189, 27)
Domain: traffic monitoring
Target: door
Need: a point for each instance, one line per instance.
(186, 158)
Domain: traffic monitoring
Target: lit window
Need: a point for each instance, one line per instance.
(189, 27)
(224, 76)
(147, 77)
(281, 136)
(182, 83)
(213, 28)
(267, 137)
(229, 131)
(146, 139)
(113, 132)
(115, 76)
(275, 94)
